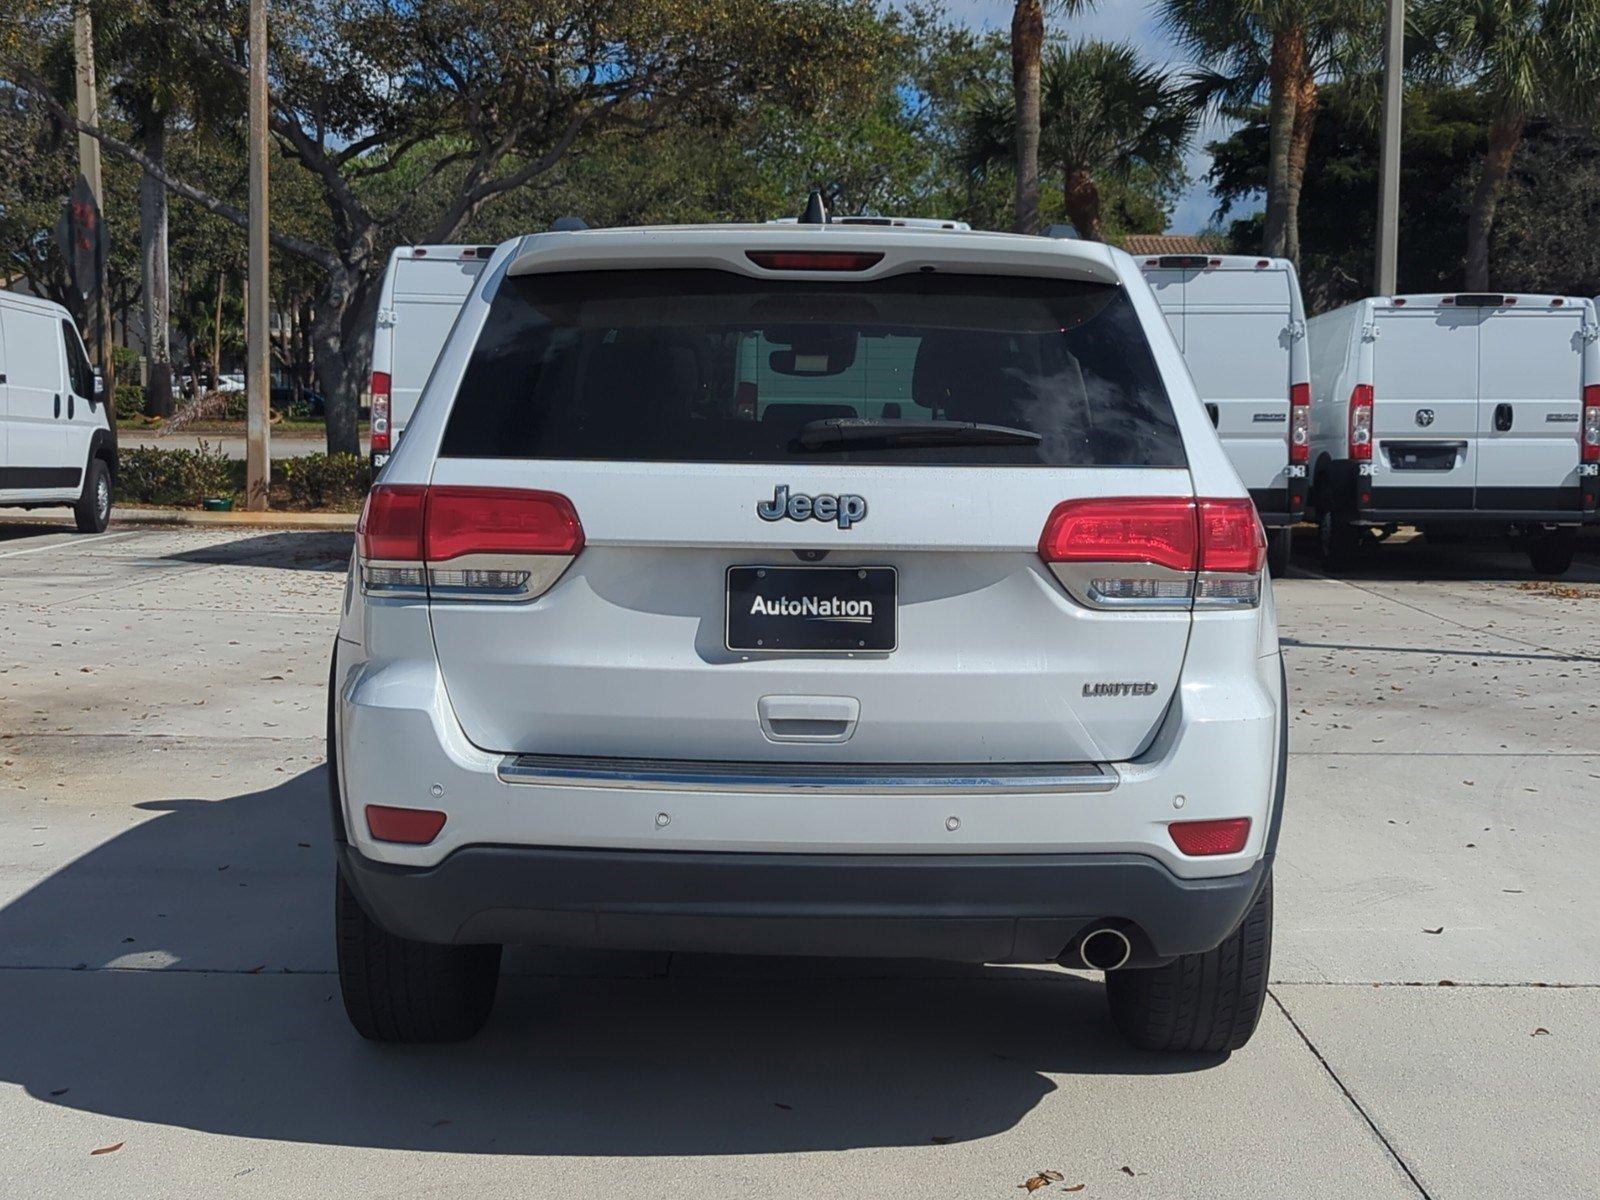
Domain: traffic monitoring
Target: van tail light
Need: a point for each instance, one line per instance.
(1361, 423)
(381, 384)
(465, 543)
(1156, 552)
(1199, 839)
(1299, 422)
(1590, 438)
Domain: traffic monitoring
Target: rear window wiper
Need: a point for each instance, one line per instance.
(839, 433)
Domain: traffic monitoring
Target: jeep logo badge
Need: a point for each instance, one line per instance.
(1424, 417)
(846, 510)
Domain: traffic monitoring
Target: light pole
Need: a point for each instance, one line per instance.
(1389, 151)
(258, 352)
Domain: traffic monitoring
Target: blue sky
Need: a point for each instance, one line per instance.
(1119, 20)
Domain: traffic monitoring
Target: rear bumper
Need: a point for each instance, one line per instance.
(1420, 504)
(975, 908)
(1278, 507)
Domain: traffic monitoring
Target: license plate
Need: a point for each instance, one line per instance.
(829, 610)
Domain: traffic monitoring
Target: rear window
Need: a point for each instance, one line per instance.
(710, 366)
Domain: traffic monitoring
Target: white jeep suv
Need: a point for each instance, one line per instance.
(809, 589)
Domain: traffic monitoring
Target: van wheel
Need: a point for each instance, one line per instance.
(398, 990)
(1207, 1002)
(1550, 551)
(1337, 539)
(1280, 550)
(93, 509)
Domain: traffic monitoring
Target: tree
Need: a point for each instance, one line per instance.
(1105, 114)
(482, 97)
(1280, 49)
(1523, 57)
(1027, 55)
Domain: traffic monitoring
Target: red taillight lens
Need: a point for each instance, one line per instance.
(1158, 531)
(412, 826)
(1201, 838)
(1231, 537)
(390, 528)
(1361, 422)
(1299, 422)
(814, 260)
(509, 521)
(1589, 440)
(381, 384)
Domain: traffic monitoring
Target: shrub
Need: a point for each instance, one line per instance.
(321, 481)
(147, 475)
(130, 400)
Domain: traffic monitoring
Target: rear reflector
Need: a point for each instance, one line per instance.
(1590, 444)
(1361, 398)
(411, 826)
(814, 260)
(1201, 838)
(379, 416)
(1299, 422)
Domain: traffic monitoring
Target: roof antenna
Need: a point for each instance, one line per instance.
(816, 212)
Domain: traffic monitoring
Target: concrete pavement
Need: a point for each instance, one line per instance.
(165, 942)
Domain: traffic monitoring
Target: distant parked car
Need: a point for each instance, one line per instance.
(1452, 411)
(231, 382)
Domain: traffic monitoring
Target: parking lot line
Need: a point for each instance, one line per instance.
(74, 542)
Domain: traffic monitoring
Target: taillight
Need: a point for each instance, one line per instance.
(381, 384)
(1156, 552)
(1199, 839)
(1590, 443)
(465, 543)
(1361, 423)
(1299, 422)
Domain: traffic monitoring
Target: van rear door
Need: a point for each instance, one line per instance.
(428, 295)
(1425, 407)
(1530, 402)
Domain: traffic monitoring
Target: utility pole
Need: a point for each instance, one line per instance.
(1389, 151)
(258, 347)
(89, 168)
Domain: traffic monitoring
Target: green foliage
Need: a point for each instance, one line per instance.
(338, 481)
(149, 475)
(130, 397)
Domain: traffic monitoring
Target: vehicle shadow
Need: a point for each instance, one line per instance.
(21, 531)
(1409, 557)
(236, 1026)
(289, 550)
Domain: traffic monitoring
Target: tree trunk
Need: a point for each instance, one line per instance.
(1307, 102)
(1027, 47)
(216, 331)
(1081, 199)
(1287, 65)
(341, 335)
(1505, 135)
(153, 267)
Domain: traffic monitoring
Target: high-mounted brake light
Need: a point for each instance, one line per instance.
(814, 260)
(1198, 839)
(1156, 552)
(466, 543)
(1361, 398)
(1589, 442)
(1299, 422)
(381, 384)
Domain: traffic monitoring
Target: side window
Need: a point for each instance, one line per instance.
(78, 369)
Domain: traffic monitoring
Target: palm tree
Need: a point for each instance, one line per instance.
(1027, 52)
(1522, 57)
(1280, 48)
(1104, 114)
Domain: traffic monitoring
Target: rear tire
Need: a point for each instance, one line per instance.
(93, 509)
(398, 990)
(1337, 539)
(1550, 551)
(1280, 550)
(1207, 1002)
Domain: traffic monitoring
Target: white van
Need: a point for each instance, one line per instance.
(423, 290)
(57, 446)
(1446, 411)
(1240, 323)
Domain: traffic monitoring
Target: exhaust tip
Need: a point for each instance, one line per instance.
(1105, 949)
